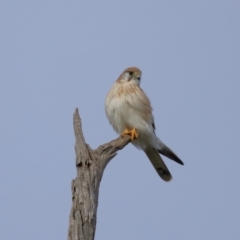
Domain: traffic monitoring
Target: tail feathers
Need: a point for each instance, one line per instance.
(166, 151)
(158, 163)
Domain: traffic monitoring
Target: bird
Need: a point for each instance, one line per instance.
(129, 111)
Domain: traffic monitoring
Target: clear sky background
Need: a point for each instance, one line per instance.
(58, 55)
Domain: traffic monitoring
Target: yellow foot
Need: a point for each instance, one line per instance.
(133, 133)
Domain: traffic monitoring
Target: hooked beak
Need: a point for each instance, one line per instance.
(138, 76)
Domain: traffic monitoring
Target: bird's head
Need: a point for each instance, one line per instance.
(132, 74)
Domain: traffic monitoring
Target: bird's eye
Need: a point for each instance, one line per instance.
(130, 73)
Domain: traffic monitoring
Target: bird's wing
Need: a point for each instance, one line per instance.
(166, 151)
(138, 100)
(158, 163)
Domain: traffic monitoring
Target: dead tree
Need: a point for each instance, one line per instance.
(90, 166)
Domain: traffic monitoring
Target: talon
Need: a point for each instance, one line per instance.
(133, 133)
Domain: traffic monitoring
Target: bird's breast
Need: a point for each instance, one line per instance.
(123, 112)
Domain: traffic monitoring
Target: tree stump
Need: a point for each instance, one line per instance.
(90, 166)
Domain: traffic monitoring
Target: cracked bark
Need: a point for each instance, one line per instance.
(90, 166)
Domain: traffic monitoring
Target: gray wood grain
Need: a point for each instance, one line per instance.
(90, 166)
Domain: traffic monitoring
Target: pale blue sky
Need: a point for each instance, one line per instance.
(59, 55)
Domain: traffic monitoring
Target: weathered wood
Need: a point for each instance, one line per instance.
(90, 166)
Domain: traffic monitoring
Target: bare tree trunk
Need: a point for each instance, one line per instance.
(90, 165)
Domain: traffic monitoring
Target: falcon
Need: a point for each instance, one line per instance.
(129, 111)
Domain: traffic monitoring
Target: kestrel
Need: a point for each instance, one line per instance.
(129, 111)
